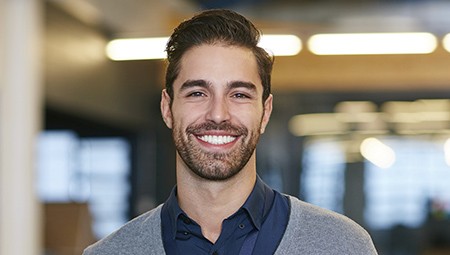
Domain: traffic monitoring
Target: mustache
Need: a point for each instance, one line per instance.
(225, 126)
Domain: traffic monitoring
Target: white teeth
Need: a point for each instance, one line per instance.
(217, 139)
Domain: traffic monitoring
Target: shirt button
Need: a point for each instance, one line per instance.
(241, 226)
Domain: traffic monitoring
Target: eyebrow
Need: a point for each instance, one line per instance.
(205, 84)
(194, 83)
(242, 84)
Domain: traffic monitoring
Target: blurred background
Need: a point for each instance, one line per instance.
(83, 147)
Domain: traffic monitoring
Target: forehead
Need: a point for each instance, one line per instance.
(218, 64)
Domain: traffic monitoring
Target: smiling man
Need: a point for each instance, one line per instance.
(217, 102)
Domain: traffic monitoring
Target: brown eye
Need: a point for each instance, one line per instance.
(240, 95)
(196, 94)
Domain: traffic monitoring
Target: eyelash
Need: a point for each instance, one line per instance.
(238, 95)
(196, 94)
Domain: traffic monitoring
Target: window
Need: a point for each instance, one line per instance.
(92, 170)
(323, 175)
(414, 188)
(403, 194)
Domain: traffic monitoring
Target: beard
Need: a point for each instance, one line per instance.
(215, 166)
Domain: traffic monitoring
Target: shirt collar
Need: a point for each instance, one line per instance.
(255, 205)
(174, 210)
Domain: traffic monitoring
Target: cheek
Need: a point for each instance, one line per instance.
(249, 118)
(185, 116)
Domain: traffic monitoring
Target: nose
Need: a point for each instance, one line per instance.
(218, 111)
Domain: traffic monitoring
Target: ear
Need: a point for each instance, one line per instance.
(267, 113)
(166, 111)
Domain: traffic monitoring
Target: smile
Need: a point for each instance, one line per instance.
(217, 139)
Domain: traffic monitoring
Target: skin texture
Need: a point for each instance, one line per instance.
(216, 117)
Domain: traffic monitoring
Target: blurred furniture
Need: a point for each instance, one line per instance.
(67, 228)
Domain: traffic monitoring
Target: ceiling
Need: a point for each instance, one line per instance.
(305, 71)
(157, 17)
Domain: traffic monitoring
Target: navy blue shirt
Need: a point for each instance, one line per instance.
(258, 226)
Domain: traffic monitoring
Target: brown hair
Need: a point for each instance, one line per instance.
(216, 26)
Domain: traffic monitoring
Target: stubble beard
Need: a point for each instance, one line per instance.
(211, 165)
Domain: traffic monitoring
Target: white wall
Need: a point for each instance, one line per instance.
(20, 120)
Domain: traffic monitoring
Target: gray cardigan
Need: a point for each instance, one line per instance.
(310, 230)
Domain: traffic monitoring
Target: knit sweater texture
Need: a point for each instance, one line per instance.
(310, 230)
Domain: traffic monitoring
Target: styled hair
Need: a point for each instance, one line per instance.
(216, 26)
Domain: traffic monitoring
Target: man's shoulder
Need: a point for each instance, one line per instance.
(321, 231)
(131, 237)
(309, 214)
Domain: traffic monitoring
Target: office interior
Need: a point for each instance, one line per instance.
(84, 149)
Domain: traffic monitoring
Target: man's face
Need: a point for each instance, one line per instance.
(217, 113)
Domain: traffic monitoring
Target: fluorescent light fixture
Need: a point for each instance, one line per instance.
(372, 43)
(316, 124)
(377, 152)
(446, 42)
(154, 48)
(137, 49)
(281, 45)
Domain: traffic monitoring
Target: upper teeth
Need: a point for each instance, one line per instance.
(217, 139)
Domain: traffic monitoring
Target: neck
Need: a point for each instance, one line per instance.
(210, 202)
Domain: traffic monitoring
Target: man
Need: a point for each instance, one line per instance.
(217, 102)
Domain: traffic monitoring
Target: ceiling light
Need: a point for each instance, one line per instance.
(281, 45)
(377, 152)
(137, 49)
(154, 48)
(446, 42)
(372, 43)
(316, 124)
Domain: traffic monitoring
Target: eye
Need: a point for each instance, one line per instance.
(196, 94)
(240, 95)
